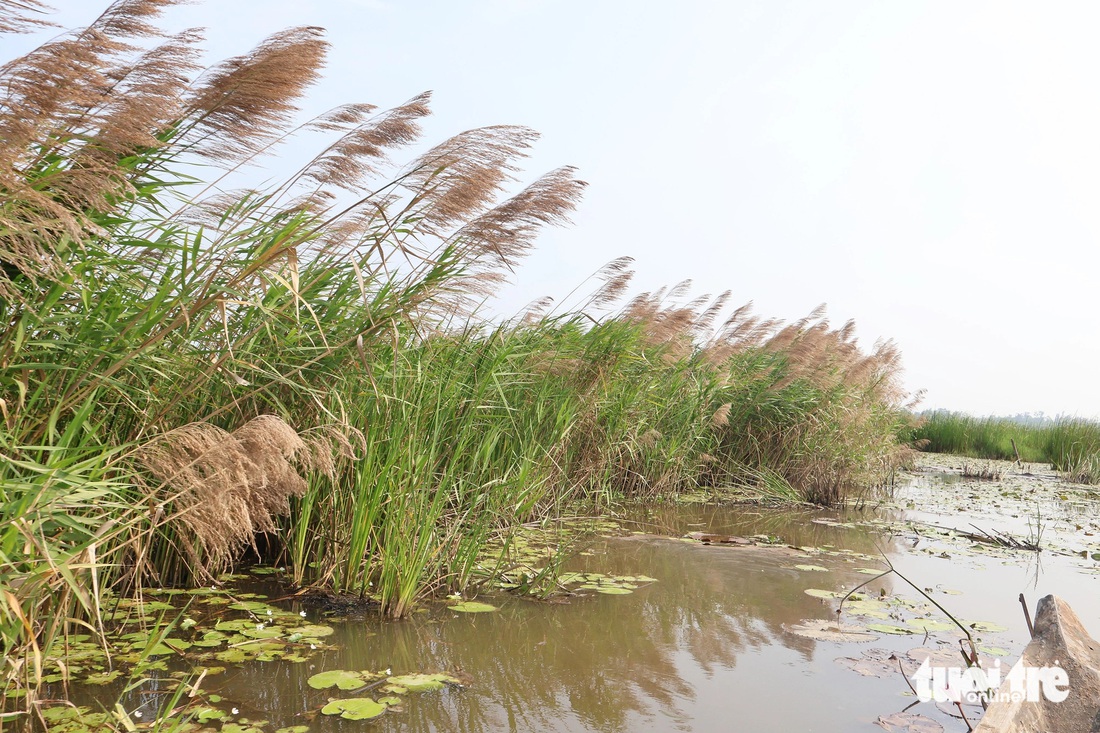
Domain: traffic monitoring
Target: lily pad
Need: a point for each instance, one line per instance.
(232, 656)
(253, 606)
(341, 678)
(826, 630)
(313, 631)
(908, 723)
(814, 568)
(355, 708)
(206, 714)
(237, 625)
(613, 590)
(873, 663)
(266, 632)
(891, 629)
(472, 607)
(421, 682)
(103, 678)
(946, 656)
(988, 626)
(819, 593)
(870, 609)
(930, 624)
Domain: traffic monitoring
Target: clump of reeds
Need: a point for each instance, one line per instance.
(160, 335)
(1071, 446)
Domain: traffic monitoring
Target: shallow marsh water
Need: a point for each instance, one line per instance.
(711, 646)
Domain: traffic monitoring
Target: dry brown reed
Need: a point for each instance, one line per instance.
(18, 16)
(223, 488)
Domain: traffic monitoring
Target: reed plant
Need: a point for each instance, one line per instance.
(186, 366)
(1070, 445)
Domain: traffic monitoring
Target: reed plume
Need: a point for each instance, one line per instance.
(222, 488)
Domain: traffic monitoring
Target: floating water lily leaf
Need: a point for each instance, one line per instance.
(243, 727)
(421, 682)
(390, 701)
(356, 708)
(166, 646)
(872, 609)
(472, 607)
(207, 591)
(237, 625)
(313, 631)
(259, 631)
(294, 729)
(341, 678)
(87, 719)
(206, 714)
(870, 571)
(825, 630)
(995, 651)
(815, 568)
(232, 656)
(103, 678)
(873, 663)
(890, 629)
(208, 642)
(908, 723)
(613, 590)
(253, 606)
(145, 606)
(988, 626)
(930, 624)
(818, 593)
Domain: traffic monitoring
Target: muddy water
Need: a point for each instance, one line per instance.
(708, 647)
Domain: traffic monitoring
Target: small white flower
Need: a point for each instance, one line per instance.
(137, 713)
(312, 646)
(259, 627)
(388, 671)
(236, 711)
(302, 614)
(269, 612)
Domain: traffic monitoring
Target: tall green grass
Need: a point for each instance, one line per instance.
(185, 366)
(1071, 446)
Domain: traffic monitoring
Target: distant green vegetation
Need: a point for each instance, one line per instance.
(1071, 446)
(188, 370)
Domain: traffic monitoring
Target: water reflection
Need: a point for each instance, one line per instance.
(660, 657)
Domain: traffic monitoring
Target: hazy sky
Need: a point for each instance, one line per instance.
(930, 169)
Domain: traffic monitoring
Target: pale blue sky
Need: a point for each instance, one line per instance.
(930, 169)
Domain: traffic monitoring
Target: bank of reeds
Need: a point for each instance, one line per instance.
(1071, 446)
(186, 367)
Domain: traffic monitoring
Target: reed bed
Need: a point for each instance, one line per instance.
(189, 370)
(1070, 445)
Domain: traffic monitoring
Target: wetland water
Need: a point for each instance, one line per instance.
(713, 644)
